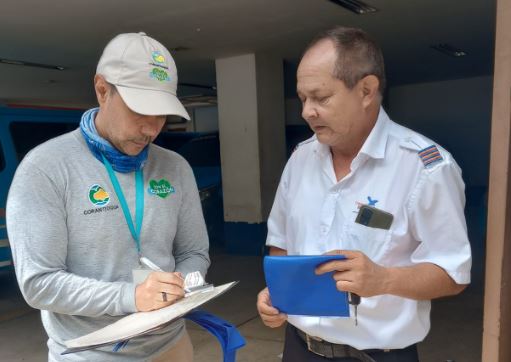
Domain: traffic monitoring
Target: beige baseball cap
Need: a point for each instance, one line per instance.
(144, 74)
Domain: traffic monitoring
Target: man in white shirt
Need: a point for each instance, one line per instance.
(358, 156)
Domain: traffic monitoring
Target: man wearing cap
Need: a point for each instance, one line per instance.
(84, 207)
(387, 198)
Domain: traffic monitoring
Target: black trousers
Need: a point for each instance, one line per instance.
(295, 350)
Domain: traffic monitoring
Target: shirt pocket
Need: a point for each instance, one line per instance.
(373, 242)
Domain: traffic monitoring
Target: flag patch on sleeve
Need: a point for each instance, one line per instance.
(430, 155)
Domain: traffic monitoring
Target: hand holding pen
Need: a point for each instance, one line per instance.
(160, 289)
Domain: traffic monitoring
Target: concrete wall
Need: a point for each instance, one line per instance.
(252, 141)
(238, 124)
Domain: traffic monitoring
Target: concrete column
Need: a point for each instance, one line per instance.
(497, 299)
(251, 115)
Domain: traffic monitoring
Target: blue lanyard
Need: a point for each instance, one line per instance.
(139, 211)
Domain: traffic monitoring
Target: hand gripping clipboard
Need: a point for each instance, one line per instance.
(295, 289)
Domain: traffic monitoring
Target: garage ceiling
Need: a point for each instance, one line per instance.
(72, 33)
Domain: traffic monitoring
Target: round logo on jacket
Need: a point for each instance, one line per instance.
(98, 196)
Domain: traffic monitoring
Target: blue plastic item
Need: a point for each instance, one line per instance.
(295, 288)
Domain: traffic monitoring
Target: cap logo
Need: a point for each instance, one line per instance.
(159, 74)
(158, 57)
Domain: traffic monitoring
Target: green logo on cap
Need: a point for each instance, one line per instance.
(161, 188)
(158, 57)
(159, 74)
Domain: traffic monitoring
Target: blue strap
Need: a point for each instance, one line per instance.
(227, 334)
(120, 345)
(139, 210)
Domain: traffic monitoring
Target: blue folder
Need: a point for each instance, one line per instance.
(295, 288)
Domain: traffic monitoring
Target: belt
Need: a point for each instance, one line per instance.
(332, 350)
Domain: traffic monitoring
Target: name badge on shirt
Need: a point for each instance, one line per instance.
(372, 217)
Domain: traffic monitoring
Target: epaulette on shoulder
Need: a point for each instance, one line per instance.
(430, 156)
(427, 151)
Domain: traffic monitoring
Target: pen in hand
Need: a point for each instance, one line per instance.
(194, 282)
(148, 263)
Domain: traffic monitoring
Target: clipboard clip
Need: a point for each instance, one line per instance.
(198, 289)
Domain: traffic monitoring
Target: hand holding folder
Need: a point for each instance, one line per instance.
(296, 289)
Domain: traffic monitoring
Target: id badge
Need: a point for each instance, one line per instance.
(140, 275)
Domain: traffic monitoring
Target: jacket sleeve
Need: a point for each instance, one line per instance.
(37, 231)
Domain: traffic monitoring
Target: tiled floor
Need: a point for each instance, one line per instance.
(455, 334)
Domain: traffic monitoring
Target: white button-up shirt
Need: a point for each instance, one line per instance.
(314, 213)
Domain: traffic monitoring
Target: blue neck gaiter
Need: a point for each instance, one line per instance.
(97, 145)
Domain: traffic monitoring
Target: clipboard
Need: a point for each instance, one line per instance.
(295, 289)
(140, 323)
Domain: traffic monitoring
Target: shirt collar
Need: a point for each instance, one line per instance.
(374, 145)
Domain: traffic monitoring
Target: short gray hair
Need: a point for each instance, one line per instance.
(357, 55)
